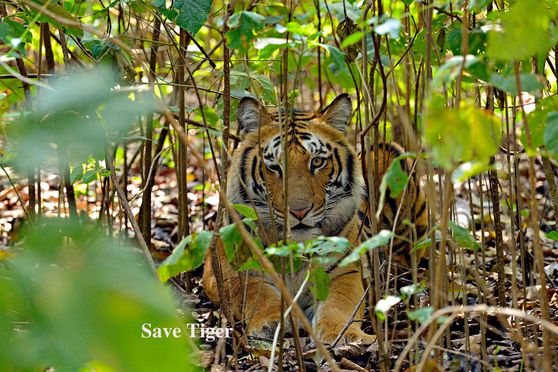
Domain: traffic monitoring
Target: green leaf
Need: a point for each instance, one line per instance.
(89, 176)
(469, 169)
(58, 12)
(382, 307)
(324, 246)
(352, 39)
(80, 299)
(395, 179)
(537, 125)
(246, 211)
(390, 27)
(76, 174)
(302, 30)
(378, 240)
(186, 256)
(463, 237)
(268, 92)
(477, 41)
(76, 116)
(451, 68)
(551, 133)
(231, 239)
(524, 31)
(529, 83)
(553, 235)
(14, 34)
(320, 280)
(244, 26)
(421, 315)
(460, 135)
(409, 290)
(190, 15)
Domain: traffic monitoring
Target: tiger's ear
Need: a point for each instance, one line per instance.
(251, 115)
(338, 113)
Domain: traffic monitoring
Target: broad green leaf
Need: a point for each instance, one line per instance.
(324, 246)
(409, 290)
(79, 299)
(537, 125)
(320, 280)
(302, 30)
(553, 235)
(246, 211)
(352, 39)
(89, 176)
(14, 34)
(57, 13)
(236, 250)
(422, 315)
(186, 256)
(460, 135)
(395, 179)
(76, 174)
(477, 41)
(389, 27)
(469, 169)
(267, 51)
(463, 237)
(382, 307)
(524, 31)
(268, 89)
(244, 26)
(231, 239)
(100, 48)
(75, 116)
(529, 83)
(378, 240)
(190, 15)
(451, 68)
(551, 133)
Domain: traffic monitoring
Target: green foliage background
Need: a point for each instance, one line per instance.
(74, 296)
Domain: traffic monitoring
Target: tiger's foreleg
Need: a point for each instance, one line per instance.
(252, 299)
(345, 293)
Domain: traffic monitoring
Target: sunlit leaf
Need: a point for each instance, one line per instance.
(378, 240)
(246, 211)
(529, 83)
(422, 315)
(186, 256)
(460, 135)
(463, 237)
(78, 296)
(191, 15)
(320, 280)
(525, 30)
(382, 307)
(244, 26)
(551, 133)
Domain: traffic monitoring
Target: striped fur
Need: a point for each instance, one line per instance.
(327, 196)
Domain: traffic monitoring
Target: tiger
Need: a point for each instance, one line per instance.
(327, 196)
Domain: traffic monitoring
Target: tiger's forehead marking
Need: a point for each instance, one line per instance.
(297, 135)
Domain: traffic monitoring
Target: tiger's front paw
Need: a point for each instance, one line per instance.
(352, 334)
(265, 326)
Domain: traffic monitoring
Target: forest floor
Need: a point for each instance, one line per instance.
(508, 343)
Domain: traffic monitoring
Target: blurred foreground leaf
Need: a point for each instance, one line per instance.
(460, 135)
(74, 116)
(74, 298)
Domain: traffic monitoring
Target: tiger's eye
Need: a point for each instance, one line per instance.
(317, 163)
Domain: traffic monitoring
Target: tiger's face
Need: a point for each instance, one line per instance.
(323, 177)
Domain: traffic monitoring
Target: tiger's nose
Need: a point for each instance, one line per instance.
(300, 213)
